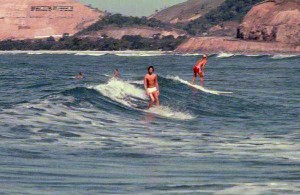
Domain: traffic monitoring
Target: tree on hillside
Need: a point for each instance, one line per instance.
(229, 10)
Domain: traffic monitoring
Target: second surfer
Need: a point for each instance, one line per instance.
(199, 69)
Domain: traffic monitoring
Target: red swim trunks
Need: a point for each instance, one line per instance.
(197, 70)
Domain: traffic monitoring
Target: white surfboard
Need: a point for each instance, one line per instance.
(201, 88)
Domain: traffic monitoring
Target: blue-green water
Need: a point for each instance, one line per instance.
(60, 135)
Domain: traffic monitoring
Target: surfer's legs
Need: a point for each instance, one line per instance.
(152, 100)
(201, 75)
(155, 94)
(194, 78)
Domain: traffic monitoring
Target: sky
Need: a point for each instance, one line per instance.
(132, 7)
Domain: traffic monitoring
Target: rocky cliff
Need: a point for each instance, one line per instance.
(27, 19)
(273, 20)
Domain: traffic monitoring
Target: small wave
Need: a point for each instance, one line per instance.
(90, 54)
(119, 91)
(138, 54)
(253, 55)
(188, 54)
(34, 53)
(281, 56)
(128, 95)
(225, 55)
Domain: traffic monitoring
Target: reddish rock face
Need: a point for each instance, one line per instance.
(273, 21)
(23, 19)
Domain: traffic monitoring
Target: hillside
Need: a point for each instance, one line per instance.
(116, 26)
(37, 18)
(186, 11)
(228, 11)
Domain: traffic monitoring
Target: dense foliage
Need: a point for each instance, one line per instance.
(230, 10)
(167, 43)
(119, 20)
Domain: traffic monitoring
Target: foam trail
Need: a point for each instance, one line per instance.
(176, 78)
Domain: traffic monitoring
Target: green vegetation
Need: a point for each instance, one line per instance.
(120, 21)
(104, 43)
(230, 10)
(167, 43)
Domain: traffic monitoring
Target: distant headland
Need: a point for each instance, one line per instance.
(215, 26)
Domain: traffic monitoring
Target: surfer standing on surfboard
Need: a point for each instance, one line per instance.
(151, 86)
(199, 69)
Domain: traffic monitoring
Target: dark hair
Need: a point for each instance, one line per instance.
(116, 69)
(150, 67)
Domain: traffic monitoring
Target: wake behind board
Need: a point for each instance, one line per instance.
(198, 87)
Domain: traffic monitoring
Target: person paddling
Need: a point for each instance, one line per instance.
(199, 69)
(79, 76)
(116, 73)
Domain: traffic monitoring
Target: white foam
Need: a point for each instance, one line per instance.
(225, 55)
(169, 113)
(259, 188)
(119, 91)
(188, 54)
(89, 54)
(34, 53)
(252, 55)
(176, 78)
(139, 54)
(281, 56)
(137, 82)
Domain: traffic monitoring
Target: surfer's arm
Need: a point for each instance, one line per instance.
(145, 84)
(156, 83)
(204, 64)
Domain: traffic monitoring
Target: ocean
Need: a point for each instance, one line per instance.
(61, 135)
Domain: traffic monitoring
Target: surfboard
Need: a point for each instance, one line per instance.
(199, 87)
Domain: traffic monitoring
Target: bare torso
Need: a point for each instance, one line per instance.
(201, 63)
(151, 80)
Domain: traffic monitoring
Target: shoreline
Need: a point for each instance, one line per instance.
(141, 53)
(236, 46)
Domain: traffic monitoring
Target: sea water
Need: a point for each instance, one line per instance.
(61, 135)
